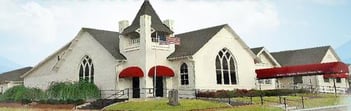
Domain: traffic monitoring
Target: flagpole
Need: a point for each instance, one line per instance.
(155, 71)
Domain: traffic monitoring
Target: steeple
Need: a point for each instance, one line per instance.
(156, 22)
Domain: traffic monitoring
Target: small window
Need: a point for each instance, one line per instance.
(268, 81)
(326, 80)
(298, 80)
(338, 80)
(260, 81)
(184, 77)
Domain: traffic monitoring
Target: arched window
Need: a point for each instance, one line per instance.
(184, 77)
(225, 68)
(86, 69)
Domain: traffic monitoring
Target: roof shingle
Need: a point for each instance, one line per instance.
(108, 39)
(191, 42)
(14, 75)
(301, 56)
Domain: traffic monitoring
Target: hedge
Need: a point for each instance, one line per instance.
(73, 91)
(22, 94)
(57, 93)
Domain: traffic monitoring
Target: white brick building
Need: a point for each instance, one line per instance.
(210, 58)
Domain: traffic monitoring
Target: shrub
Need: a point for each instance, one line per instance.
(254, 92)
(221, 94)
(241, 92)
(22, 94)
(57, 93)
(73, 91)
(205, 94)
(88, 90)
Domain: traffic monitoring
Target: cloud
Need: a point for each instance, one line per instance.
(41, 27)
(29, 20)
(244, 15)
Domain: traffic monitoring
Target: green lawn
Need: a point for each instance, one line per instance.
(186, 104)
(317, 102)
(191, 104)
(161, 104)
(310, 100)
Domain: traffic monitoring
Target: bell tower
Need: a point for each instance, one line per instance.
(143, 42)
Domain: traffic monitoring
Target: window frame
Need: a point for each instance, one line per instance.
(338, 80)
(268, 81)
(86, 63)
(184, 74)
(326, 80)
(226, 68)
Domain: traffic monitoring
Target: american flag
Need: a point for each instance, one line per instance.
(173, 40)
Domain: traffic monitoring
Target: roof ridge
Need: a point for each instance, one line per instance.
(207, 28)
(17, 69)
(327, 46)
(258, 47)
(86, 28)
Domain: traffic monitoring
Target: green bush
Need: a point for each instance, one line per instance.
(22, 94)
(73, 91)
(57, 93)
(282, 92)
(88, 90)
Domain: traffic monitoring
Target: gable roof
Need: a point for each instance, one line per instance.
(65, 47)
(262, 50)
(301, 56)
(256, 50)
(108, 39)
(14, 75)
(192, 41)
(156, 22)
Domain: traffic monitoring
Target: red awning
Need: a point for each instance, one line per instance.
(131, 72)
(303, 70)
(161, 71)
(342, 75)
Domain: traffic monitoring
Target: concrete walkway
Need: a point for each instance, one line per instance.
(328, 108)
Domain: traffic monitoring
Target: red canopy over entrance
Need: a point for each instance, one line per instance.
(131, 72)
(331, 68)
(161, 71)
(342, 75)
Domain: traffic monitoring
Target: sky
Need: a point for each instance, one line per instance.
(31, 30)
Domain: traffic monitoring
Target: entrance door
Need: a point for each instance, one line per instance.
(159, 86)
(136, 87)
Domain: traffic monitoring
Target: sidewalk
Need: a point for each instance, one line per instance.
(328, 108)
